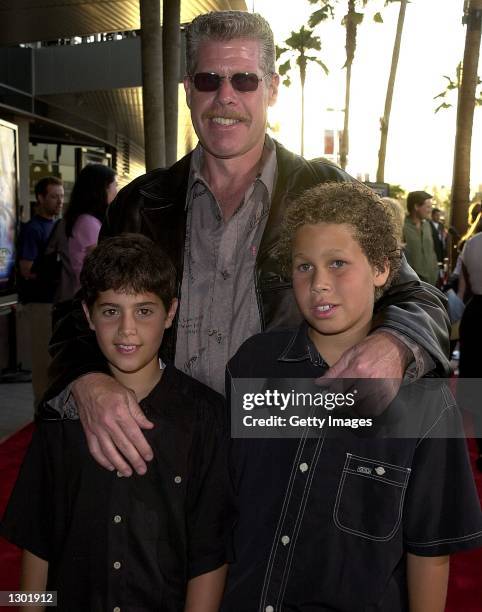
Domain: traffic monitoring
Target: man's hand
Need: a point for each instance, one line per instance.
(380, 356)
(112, 418)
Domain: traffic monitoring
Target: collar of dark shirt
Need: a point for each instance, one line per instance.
(152, 401)
(267, 175)
(300, 348)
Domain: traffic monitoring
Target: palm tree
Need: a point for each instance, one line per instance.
(452, 85)
(298, 45)
(351, 21)
(385, 120)
(465, 115)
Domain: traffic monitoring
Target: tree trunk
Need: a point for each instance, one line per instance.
(384, 122)
(350, 46)
(302, 79)
(465, 116)
(171, 51)
(152, 83)
(344, 136)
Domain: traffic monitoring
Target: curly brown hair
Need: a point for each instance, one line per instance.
(374, 226)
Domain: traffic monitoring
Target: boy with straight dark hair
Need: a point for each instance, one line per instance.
(348, 520)
(152, 542)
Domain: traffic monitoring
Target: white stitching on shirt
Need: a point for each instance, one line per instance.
(299, 519)
(339, 493)
(445, 541)
(269, 567)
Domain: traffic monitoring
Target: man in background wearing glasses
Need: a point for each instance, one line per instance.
(216, 212)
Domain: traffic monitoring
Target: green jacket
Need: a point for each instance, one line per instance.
(419, 250)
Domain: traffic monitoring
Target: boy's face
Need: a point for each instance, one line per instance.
(129, 328)
(333, 281)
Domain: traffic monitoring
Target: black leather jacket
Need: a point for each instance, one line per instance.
(155, 205)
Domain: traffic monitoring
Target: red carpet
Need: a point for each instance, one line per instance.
(12, 451)
(465, 587)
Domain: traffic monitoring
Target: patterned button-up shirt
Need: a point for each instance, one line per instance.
(218, 308)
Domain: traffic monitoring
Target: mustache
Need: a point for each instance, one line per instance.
(211, 114)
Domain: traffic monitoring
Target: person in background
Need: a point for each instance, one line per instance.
(474, 223)
(417, 235)
(470, 331)
(35, 289)
(94, 189)
(439, 234)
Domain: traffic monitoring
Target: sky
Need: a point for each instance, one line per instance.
(420, 142)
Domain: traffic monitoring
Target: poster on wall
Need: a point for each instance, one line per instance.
(8, 205)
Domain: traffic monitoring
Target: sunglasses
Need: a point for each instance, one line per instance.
(241, 81)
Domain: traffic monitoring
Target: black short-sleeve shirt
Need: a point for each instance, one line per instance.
(325, 522)
(129, 543)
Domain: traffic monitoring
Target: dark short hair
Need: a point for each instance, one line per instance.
(373, 222)
(229, 25)
(42, 186)
(415, 198)
(129, 263)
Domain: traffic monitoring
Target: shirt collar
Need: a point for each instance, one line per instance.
(301, 348)
(267, 174)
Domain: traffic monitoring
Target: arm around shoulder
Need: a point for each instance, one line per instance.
(417, 310)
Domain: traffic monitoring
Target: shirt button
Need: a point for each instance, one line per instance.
(119, 475)
(117, 518)
(117, 565)
(303, 467)
(285, 540)
(177, 479)
(116, 609)
(269, 609)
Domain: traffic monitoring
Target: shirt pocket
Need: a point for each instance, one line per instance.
(369, 501)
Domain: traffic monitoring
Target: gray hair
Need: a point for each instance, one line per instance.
(228, 25)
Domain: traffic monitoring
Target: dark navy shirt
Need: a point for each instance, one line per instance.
(33, 239)
(325, 522)
(129, 543)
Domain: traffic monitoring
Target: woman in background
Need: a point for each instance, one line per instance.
(94, 190)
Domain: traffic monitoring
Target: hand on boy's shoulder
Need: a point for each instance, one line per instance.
(112, 418)
(379, 356)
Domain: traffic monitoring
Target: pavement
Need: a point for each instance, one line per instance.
(16, 407)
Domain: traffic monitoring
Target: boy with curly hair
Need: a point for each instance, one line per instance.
(353, 520)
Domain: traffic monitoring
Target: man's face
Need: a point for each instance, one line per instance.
(230, 123)
(333, 282)
(424, 210)
(436, 216)
(52, 201)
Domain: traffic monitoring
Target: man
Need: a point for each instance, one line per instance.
(417, 235)
(35, 290)
(217, 212)
(438, 235)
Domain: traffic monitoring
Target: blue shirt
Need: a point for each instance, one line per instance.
(33, 238)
